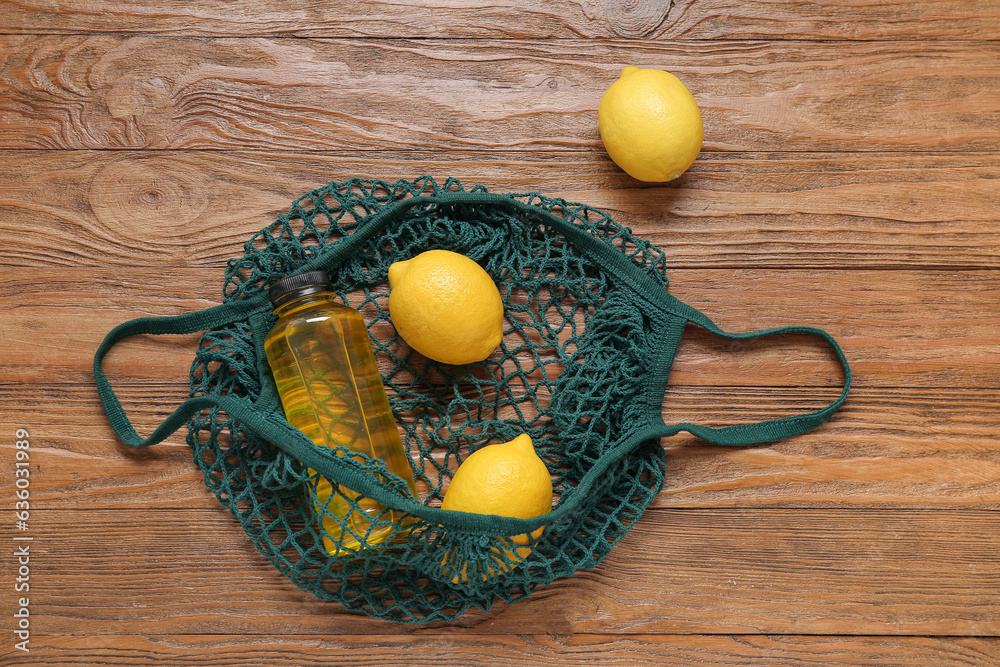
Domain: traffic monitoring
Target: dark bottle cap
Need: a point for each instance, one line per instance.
(298, 285)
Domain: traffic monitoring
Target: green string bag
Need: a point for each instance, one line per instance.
(590, 335)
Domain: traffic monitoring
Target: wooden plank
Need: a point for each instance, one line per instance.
(515, 650)
(885, 447)
(900, 328)
(911, 448)
(107, 91)
(682, 19)
(824, 571)
(191, 208)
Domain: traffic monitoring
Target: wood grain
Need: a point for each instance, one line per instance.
(823, 210)
(834, 571)
(919, 448)
(114, 92)
(515, 650)
(645, 19)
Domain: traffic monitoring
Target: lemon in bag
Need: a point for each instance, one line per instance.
(506, 479)
(446, 307)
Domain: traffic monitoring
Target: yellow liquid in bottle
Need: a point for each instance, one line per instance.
(331, 390)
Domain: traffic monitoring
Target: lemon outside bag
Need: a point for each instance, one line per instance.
(590, 335)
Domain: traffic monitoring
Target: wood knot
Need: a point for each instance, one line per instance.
(148, 199)
(153, 197)
(637, 18)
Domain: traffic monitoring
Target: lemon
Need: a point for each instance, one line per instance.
(446, 307)
(650, 124)
(507, 479)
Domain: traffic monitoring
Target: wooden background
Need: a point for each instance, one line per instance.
(849, 180)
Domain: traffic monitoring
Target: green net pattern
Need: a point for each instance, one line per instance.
(571, 371)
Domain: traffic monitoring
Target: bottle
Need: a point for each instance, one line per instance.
(331, 390)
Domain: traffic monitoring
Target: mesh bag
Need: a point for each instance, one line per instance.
(590, 335)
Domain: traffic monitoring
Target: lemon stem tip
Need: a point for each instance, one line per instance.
(523, 440)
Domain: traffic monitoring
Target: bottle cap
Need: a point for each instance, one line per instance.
(298, 285)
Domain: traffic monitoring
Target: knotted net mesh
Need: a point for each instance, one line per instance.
(570, 372)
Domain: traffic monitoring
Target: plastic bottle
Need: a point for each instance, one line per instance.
(331, 390)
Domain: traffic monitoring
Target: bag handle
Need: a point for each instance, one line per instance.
(278, 431)
(187, 323)
(768, 430)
